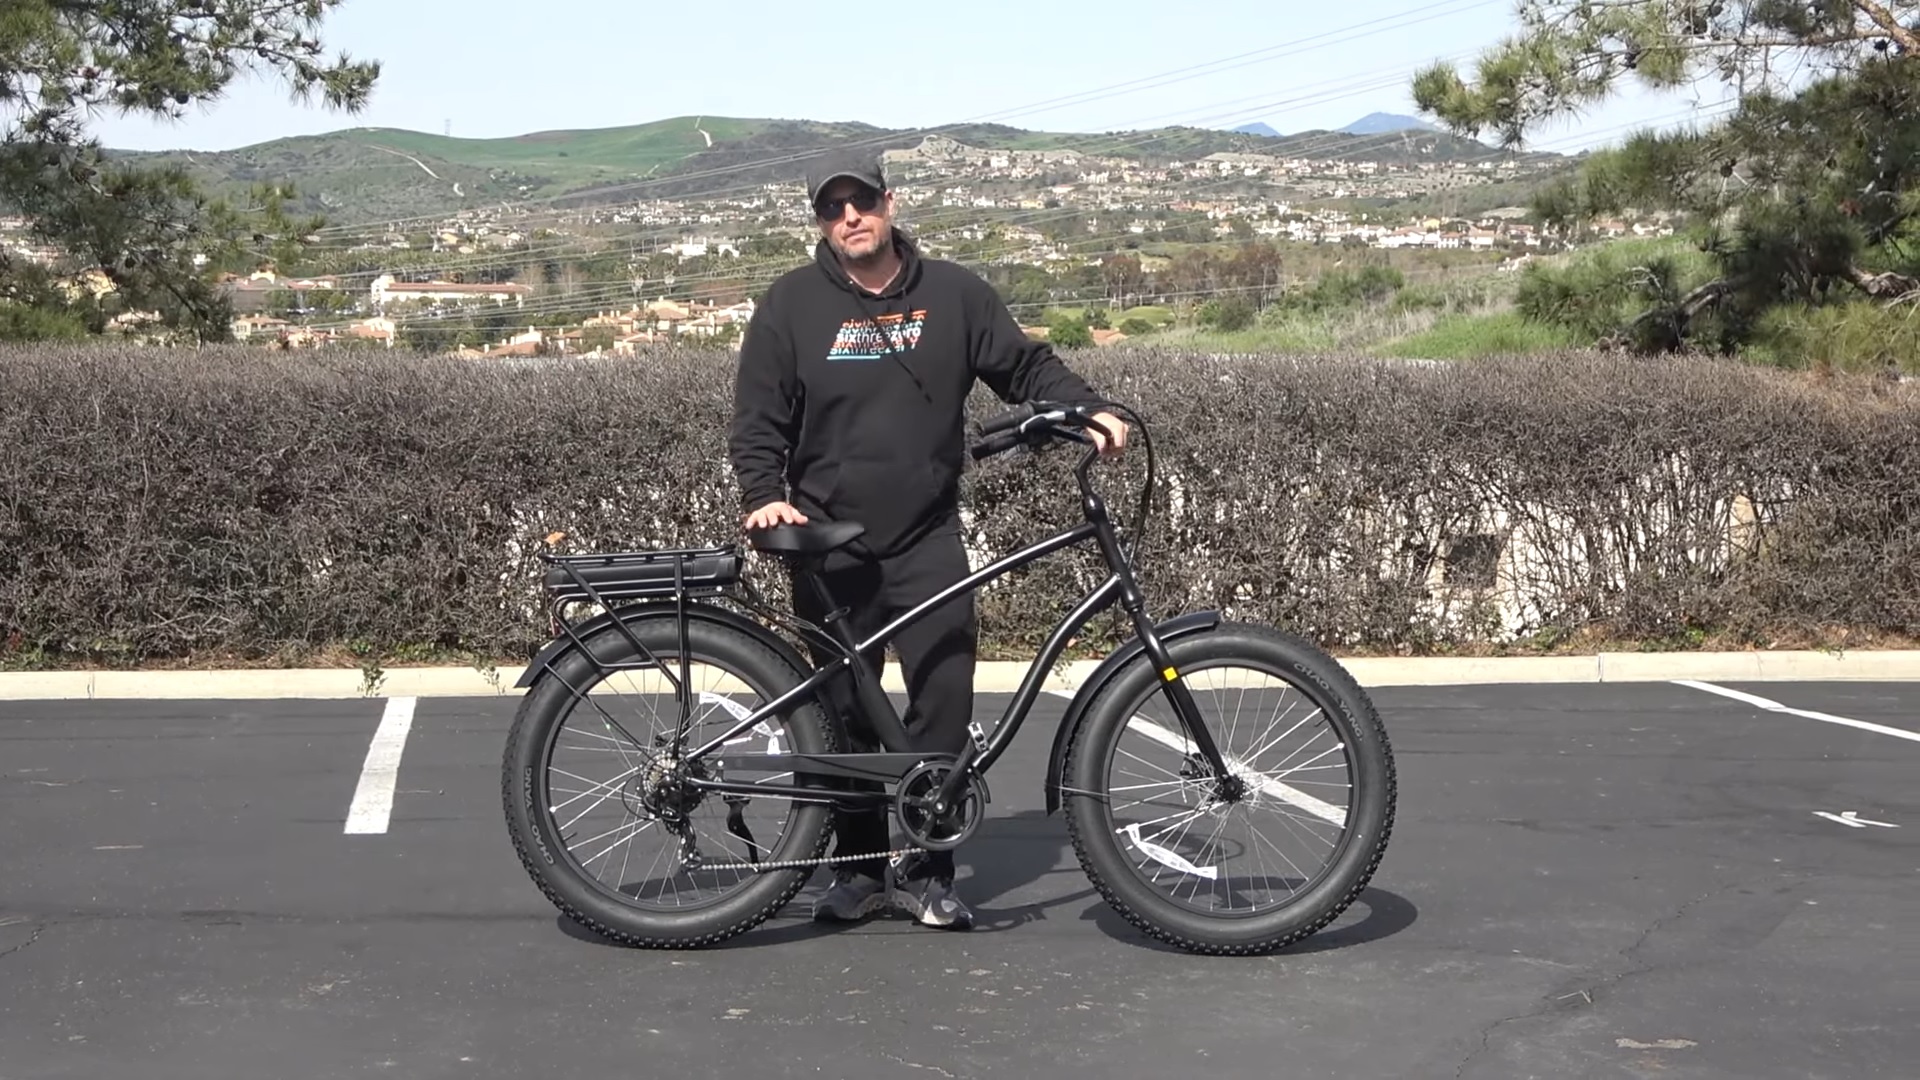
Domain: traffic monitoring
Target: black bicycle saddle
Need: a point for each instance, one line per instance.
(816, 537)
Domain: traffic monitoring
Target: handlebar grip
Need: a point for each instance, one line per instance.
(994, 445)
(1012, 418)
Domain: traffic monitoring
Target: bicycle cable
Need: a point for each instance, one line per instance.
(1146, 445)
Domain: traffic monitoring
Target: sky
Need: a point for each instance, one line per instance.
(487, 68)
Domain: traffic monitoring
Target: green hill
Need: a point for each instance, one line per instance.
(360, 176)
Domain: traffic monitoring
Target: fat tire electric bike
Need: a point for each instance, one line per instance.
(662, 612)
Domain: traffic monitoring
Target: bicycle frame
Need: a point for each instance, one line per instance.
(871, 702)
(898, 757)
(982, 748)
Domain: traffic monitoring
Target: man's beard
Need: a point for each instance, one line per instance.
(883, 243)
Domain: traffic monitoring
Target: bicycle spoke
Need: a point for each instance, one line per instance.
(1266, 841)
(639, 702)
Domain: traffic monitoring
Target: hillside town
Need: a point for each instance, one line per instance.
(1049, 209)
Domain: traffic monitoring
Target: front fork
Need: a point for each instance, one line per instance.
(1172, 685)
(1131, 597)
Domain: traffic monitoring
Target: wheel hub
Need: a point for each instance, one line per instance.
(1227, 789)
(1230, 788)
(661, 791)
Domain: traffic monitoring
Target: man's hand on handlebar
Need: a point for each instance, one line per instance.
(1104, 431)
(1109, 445)
(774, 513)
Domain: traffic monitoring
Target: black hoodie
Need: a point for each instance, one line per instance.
(857, 400)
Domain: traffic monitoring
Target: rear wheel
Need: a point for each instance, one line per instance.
(600, 822)
(1296, 834)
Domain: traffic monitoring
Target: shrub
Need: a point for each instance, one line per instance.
(1344, 288)
(198, 504)
(1603, 290)
(1068, 332)
(1227, 315)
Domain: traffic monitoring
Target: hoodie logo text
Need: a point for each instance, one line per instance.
(861, 339)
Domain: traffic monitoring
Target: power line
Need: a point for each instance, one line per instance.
(1346, 87)
(1415, 15)
(599, 292)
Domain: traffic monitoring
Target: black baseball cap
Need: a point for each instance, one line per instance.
(860, 165)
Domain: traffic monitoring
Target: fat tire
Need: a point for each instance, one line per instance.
(1361, 847)
(540, 850)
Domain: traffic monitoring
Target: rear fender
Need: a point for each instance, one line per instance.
(561, 645)
(1179, 626)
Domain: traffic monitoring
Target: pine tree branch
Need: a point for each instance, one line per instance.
(1884, 19)
(1681, 314)
(1888, 285)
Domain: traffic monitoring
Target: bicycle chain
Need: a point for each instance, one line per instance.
(789, 864)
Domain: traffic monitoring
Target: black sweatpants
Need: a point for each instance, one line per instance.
(936, 660)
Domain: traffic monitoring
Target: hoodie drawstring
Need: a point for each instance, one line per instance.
(893, 344)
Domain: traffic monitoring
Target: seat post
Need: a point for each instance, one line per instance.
(869, 699)
(833, 616)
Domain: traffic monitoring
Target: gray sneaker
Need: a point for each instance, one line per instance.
(853, 897)
(933, 902)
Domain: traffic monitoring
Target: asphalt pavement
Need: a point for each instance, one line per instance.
(1628, 880)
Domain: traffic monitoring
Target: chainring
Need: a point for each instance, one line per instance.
(913, 807)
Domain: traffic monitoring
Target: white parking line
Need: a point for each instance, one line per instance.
(373, 799)
(1774, 706)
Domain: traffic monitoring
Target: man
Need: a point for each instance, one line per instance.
(851, 392)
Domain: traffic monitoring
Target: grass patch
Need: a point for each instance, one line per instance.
(1464, 336)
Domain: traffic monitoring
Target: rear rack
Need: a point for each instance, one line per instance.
(603, 577)
(630, 575)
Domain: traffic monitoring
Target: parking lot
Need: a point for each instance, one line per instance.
(1612, 880)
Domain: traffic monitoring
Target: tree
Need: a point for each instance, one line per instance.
(1574, 53)
(1254, 272)
(1068, 332)
(151, 232)
(1227, 314)
(1123, 277)
(1802, 196)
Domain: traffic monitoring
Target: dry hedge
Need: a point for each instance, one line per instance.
(166, 506)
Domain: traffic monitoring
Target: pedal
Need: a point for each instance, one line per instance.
(978, 734)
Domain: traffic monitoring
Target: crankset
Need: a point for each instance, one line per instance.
(913, 807)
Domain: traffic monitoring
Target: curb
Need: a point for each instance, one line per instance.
(991, 676)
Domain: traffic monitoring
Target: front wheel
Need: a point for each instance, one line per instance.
(1270, 856)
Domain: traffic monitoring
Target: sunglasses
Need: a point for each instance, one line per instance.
(864, 200)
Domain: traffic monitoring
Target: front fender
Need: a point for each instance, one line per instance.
(1179, 626)
(696, 612)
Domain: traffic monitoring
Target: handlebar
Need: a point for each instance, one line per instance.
(1030, 423)
(1009, 419)
(995, 445)
(1033, 423)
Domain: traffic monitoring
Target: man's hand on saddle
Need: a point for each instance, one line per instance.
(775, 513)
